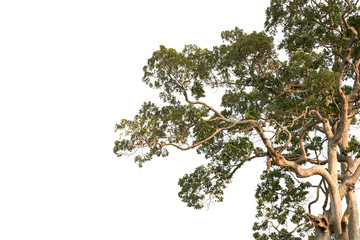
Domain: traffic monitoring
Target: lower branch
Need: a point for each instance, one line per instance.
(303, 173)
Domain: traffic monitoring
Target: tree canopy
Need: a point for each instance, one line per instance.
(296, 113)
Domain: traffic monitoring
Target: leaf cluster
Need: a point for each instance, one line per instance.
(154, 128)
(280, 207)
(206, 184)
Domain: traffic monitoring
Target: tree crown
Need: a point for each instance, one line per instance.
(288, 111)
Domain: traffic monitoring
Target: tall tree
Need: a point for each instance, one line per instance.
(295, 113)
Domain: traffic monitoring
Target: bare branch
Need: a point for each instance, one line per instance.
(301, 224)
(317, 197)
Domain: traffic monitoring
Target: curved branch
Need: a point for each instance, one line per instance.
(317, 196)
(301, 224)
(326, 125)
(303, 173)
(197, 102)
(302, 134)
(248, 158)
(206, 105)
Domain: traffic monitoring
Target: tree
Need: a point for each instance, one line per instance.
(296, 113)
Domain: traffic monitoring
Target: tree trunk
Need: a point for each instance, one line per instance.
(320, 235)
(352, 228)
(322, 226)
(344, 236)
(353, 223)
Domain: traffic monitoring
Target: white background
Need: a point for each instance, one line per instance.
(70, 70)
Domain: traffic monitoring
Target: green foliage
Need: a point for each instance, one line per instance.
(353, 148)
(240, 51)
(289, 99)
(173, 72)
(280, 207)
(197, 90)
(154, 128)
(298, 22)
(206, 183)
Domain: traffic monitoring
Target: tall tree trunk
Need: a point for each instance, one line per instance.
(335, 198)
(353, 223)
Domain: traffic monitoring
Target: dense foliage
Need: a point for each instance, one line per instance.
(281, 208)
(295, 113)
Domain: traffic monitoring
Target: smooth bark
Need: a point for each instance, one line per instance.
(320, 235)
(353, 224)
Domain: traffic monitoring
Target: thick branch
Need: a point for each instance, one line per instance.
(303, 173)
